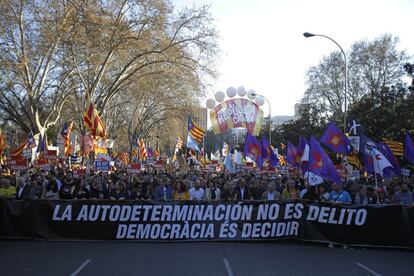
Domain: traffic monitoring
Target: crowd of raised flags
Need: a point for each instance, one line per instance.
(378, 158)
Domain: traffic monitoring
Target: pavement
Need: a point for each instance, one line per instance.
(198, 258)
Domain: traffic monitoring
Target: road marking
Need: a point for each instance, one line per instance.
(82, 266)
(368, 269)
(228, 267)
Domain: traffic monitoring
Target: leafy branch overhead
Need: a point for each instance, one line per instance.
(54, 52)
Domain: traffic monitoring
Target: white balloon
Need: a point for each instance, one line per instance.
(241, 91)
(231, 92)
(260, 100)
(219, 96)
(250, 94)
(210, 103)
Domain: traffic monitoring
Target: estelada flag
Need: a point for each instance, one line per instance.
(92, 120)
(195, 131)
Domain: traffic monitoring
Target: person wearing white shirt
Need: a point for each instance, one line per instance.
(196, 193)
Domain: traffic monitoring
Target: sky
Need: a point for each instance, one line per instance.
(263, 47)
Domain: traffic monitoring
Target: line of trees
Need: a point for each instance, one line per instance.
(138, 59)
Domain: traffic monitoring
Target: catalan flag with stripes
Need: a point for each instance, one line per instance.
(353, 160)
(123, 157)
(195, 131)
(2, 143)
(134, 153)
(157, 152)
(178, 143)
(19, 150)
(142, 149)
(92, 120)
(397, 148)
(66, 137)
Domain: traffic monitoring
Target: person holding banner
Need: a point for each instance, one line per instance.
(51, 191)
(241, 192)
(23, 189)
(212, 192)
(164, 191)
(118, 193)
(181, 191)
(196, 192)
(271, 193)
(7, 191)
(81, 190)
(339, 195)
(404, 197)
(290, 192)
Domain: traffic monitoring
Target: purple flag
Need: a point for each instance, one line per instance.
(320, 163)
(335, 140)
(409, 149)
(268, 153)
(253, 149)
(292, 156)
(150, 153)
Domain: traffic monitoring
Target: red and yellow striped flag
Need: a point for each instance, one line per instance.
(142, 149)
(397, 148)
(3, 145)
(123, 157)
(157, 152)
(353, 159)
(195, 131)
(92, 120)
(19, 150)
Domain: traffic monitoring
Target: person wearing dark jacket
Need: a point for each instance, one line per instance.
(241, 192)
(164, 191)
(23, 190)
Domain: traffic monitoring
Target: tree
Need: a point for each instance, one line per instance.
(307, 124)
(52, 53)
(372, 66)
(35, 73)
(385, 114)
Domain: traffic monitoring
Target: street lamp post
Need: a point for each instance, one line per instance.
(270, 115)
(346, 71)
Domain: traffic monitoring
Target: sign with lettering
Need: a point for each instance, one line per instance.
(102, 166)
(235, 113)
(134, 168)
(50, 155)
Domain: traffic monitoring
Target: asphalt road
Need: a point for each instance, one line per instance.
(198, 258)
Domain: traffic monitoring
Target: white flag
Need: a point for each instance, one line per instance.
(237, 157)
(313, 179)
(305, 155)
(380, 162)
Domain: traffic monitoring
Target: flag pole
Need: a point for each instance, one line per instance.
(376, 186)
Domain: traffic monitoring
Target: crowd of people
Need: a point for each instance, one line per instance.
(208, 186)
